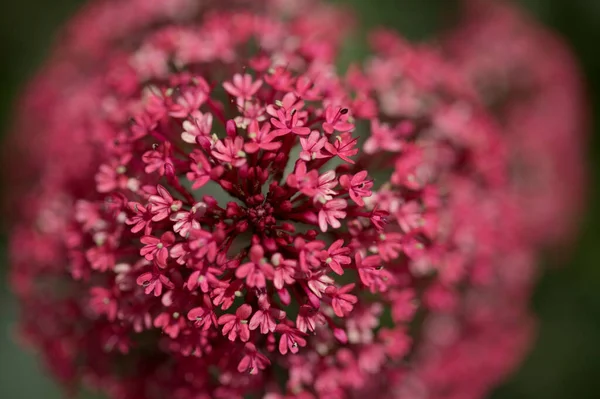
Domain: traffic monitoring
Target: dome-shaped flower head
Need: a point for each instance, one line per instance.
(528, 77)
(221, 215)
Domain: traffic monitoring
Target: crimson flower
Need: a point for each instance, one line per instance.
(208, 223)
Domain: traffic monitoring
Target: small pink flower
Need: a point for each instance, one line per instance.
(224, 294)
(341, 301)
(284, 270)
(412, 170)
(201, 171)
(390, 246)
(102, 256)
(384, 138)
(199, 124)
(310, 252)
(358, 186)
(336, 119)
(230, 151)
(257, 271)
(203, 316)
(189, 100)
(288, 103)
(324, 188)
(237, 325)
(170, 323)
(102, 301)
(344, 147)
(372, 274)
(308, 318)
(113, 175)
(397, 342)
(154, 282)
(330, 212)
(336, 256)
(312, 146)
(243, 88)
(261, 138)
(157, 249)
(253, 361)
(266, 317)
(379, 218)
(159, 160)
(303, 179)
(162, 204)
(291, 339)
(205, 278)
(185, 221)
(286, 125)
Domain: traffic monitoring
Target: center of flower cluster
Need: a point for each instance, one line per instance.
(261, 217)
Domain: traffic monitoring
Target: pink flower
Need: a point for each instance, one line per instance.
(336, 256)
(154, 283)
(102, 256)
(286, 124)
(159, 160)
(336, 119)
(262, 138)
(266, 317)
(142, 218)
(342, 302)
(308, 318)
(162, 204)
(303, 179)
(205, 278)
(312, 146)
(309, 256)
(230, 151)
(358, 186)
(113, 175)
(397, 342)
(283, 272)
(203, 316)
(243, 88)
(186, 221)
(189, 100)
(201, 171)
(372, 274)
(103, 302)
(253, 361)
(157, 249)
(330, 212)
(235, 326)
(257, 271)
(404, 305)
(170, 323)
(290, 340)
(199, 124)
(344, 147)
(379, 218)
(384, 138)
(311, 184)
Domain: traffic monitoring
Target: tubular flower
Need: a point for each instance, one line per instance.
(528, 76)
(211, 226)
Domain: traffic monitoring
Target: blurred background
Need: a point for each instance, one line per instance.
(565, 361)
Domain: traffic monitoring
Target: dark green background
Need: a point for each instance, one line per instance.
(564, 364)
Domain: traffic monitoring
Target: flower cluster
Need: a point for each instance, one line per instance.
(220, 214)
(528, 77)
